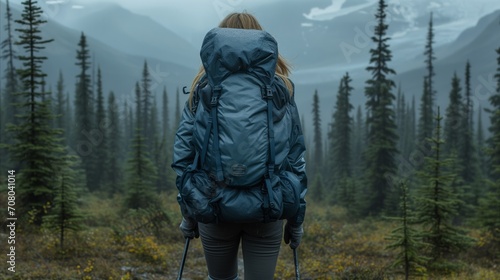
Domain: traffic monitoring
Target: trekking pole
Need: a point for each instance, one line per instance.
(184, 255)
(296, 261)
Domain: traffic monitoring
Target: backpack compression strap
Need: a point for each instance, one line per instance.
(219, 176)
(213, 125)
(267, 94)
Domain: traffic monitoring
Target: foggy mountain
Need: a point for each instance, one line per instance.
(120, 71)
(126, 31)
(476, 45)
(320, 44)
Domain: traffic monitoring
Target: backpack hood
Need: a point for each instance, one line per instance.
(229, 50)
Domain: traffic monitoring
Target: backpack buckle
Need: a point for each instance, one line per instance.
(215, 96)
(213, 101)
(267, 92)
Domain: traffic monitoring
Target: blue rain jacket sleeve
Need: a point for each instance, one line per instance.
(184, 150)
(297, 163)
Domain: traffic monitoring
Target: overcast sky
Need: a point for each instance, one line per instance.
(189, 18)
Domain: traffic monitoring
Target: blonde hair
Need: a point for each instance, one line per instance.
(247, 21)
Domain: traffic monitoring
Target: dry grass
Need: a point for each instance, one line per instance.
(121, 244)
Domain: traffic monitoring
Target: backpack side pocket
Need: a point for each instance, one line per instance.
(196, 196)
(290, 189)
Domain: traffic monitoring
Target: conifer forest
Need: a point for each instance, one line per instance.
(399, 186)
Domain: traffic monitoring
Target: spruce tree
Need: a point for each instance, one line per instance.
(426, 115)
(317, 160)
(340, 135)
(158, 147)
(467, 152)
(453, 129)
(382, 138)
(9, 109)
(114, 139)
(411, 129)
(138, 108)
(146, 106)
(165, 113)
(84, 114)
(65, 214)
(425, 124)
(168, 176)
(359, 143)
(60, 108)
(141, 172)
(490, 203)
(69, 125)
(177, 112)
(128, 127)
(429, 54)
(101, 148)
(437, 206)
(401, 119)
(11, 77)
(480, 143)
(405, 239)
(36, 147)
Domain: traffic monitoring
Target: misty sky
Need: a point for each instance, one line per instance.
(190, 17)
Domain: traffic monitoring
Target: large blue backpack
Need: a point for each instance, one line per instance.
(241, 133)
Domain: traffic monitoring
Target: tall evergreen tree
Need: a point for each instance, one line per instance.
(453, 122)
(437, 206)
(165, 114)
(69, 126)
(157, 147)
(401, 118)
(138, 108)
(480, 143)
(101, 147)
(341, 128)
(467, 152)
(128, 127)
(426, 115)
(359, 143)
(9, 109)
(410, 130)
(60, 108)
(114, 139)
(154, 125)
(382, 137)
(490, 204)
(36, 147)
(429, 61)
(84, 114)
(146, 105)
(177, 111)
(426, 120)
(141, 172)
(167, 175)
(11, 77)
(317, 161)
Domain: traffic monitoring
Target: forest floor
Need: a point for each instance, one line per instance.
(148, 245)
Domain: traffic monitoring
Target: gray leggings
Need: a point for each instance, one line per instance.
(260, 244)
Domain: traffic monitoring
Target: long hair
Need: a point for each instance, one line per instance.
(246, 21)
